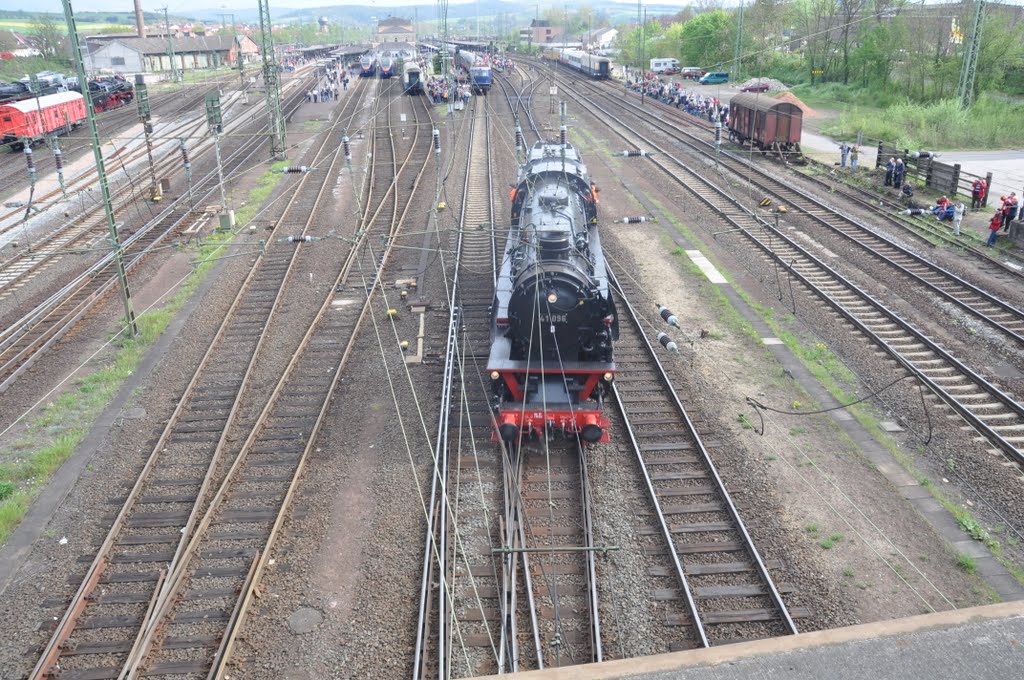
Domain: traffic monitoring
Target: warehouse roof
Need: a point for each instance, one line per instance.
(213, 43)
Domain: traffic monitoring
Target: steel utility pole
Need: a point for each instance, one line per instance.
(965, 91)
(115, 241)
(738, 53)
(170, 47)
(271, 83)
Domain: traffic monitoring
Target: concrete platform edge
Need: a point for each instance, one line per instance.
(625, 668)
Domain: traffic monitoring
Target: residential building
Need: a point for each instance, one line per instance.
(540, 32)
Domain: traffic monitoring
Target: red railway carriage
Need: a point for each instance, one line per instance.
(33, 119)
(766, 123)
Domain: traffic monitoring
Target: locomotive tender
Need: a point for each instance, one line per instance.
(553, 320)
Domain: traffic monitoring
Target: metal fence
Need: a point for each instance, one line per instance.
(945, 178)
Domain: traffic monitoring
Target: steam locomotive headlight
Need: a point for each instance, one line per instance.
(608, 377)
(495, 375)
(552, 298)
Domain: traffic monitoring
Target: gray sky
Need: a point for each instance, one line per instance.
(281, 6)
(186, 6)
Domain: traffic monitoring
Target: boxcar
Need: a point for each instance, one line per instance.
(33, 119)
(767, 124)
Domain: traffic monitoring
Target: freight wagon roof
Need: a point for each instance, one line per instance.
(761, 102)
(29, 105)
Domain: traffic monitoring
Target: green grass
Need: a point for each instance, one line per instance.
(53, 434)
(966, 562)
(812, 528)
(829, 543)
(989, 124)
(14, 69)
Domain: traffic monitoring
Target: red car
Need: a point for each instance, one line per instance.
(756, 87)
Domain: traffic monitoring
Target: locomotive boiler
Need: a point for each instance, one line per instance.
(553, 321)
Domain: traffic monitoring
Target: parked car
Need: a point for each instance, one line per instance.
(714, 78)
(694, 72)
(756, 87)
(671, 71)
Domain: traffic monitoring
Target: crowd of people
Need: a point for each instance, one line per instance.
(1008, 209)
(441, 91)
(675, 94)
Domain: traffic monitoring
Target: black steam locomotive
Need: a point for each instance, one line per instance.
(553, 320)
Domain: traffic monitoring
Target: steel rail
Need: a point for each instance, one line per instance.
(866, 199)
(709, 464)
(588, 533)
(180, 574)
(690, 183)
(775, 187)
(67, 624)
(14, 366)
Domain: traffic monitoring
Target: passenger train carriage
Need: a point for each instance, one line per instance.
(412, 78)
(553, 319)
(592, 65)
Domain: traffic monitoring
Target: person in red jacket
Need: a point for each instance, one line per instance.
(976, 194)
(1009, 210)
(984, 192)
(993, 227)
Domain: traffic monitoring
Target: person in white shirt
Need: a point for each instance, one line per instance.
(958, 216)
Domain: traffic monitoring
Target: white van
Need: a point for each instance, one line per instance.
(664, 65)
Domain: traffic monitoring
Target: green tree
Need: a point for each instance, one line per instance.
(707, 39)
(50, 38)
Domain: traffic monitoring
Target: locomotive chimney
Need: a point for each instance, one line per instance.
(140, 25)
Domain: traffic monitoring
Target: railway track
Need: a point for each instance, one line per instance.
(987, 308)
(88, 226)
(924, 229)
(77, 144)
(23, 342)
(192, 610)
(462, 564)
(161, 512)
(719, 589)
(997, 417)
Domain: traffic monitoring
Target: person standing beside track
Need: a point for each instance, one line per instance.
(993, 227)
(958, 216)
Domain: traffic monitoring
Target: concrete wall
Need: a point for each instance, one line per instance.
(117, 58)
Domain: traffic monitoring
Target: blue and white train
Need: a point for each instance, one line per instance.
(479, 72)
(597, 67)
(387, 67)
(367, 66)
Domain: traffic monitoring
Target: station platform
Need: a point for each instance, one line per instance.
(979, 642)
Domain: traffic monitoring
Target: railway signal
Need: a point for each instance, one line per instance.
(215, 121)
